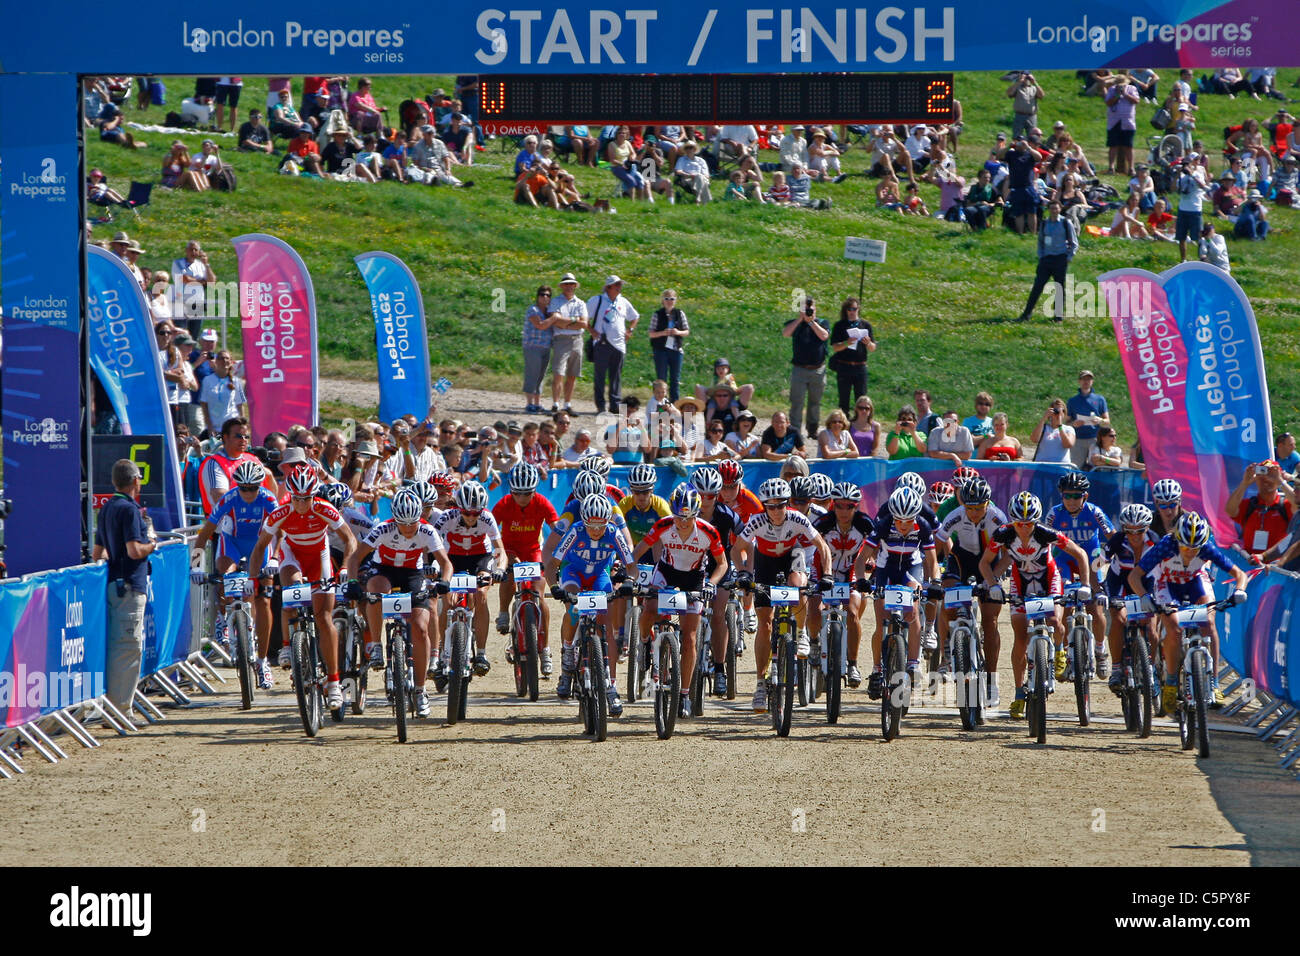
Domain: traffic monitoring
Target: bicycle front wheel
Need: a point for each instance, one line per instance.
(1037, 704)
(1081, 643)
(896, 686)
(310, 705)
(598, 704)
(1201, 694)
(781, 695)
(241, 635)
(668, 689)
(733, 636)
(967, 680)
(532, 658)
(458, 643)
(834, 679)
(1141, 703)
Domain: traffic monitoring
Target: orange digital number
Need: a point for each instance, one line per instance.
(493, 97)
(938, 94)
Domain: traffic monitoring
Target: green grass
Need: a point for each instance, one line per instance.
(941, 305)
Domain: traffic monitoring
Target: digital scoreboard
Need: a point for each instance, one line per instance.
(717, 98)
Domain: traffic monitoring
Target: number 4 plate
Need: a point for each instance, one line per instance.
(672, 602)
(590, 602)
(295, 595)
(462, 583)
(529, 571)
(898, 598)
(781, 595)
(395, 605)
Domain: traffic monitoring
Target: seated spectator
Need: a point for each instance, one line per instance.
(918, 147)
(834, 441)
(736, 143)
(210, 158)
(254, 136)
(913, 205)
(315, 107)
(430, 155)
(794, 149)
(998, 445)
(1145, 186)
(534, 187)
(303, 152)
(723, 376)
(459, 137)
(1228, 81)
(567, 140)
(780, 440)
(980, 201)
(1065, 144)
(364, 114)
(865, 431)
(621, 156)
(692, 173)
(1213, 249)
(99, 193)
(737, 188)
(692, 427)
(1104, 452)
(527, 156)
(283, 119)
(670, 139)
(653, 165)
(339, 158)
(396, 158)
(800, 190)
(981, 423)
(661, 403)
(1227, 197)
(904, 440)
(1286, 184)
(1158, 222)
(546, 440)
(369, 155)
(714, 446)
(743, 440)
(888, 155)
(950, 440)
(887, 194)
(1127, 223)
(111, 130)
(1252, 218)
(823, 159)
(795, 466)
(723, 404)
(779, 192)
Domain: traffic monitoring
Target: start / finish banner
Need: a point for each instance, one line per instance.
(669, 36)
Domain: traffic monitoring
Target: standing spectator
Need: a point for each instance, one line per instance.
(1192, 190)
(1053, 437)
(192, 275)
(613, 320)
(537, 348)
(178, 377)
(1264, 516)
(852, 340)
(1213, 249)
(228, 90)
(423, 459)
(904, 440)
(334, 456)
(580, 448)
(254, 137)
(1121, 123)
(1057, 244)
(950, 440)
(865, 430)
(1021, 197)
(808, 364)
(926, 419)
(364, 114)
(570, 317)
(1287, 456)
(669, 329)
(628, 441)
(222, 394)
(779, 440)
(981, 423)
(125, 540)
(1087, 411)
(1025, 93)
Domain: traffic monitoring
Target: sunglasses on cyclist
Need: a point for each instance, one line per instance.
(1073, 496)
(775, 504)
(470, 514)
(248, 489)
(1166, 507)
(303, 497)
(845, 504)
(1024, 524)
(1128, 530)
(710, 495)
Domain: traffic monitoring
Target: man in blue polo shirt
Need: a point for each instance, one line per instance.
(1087, 411)
(123, 537)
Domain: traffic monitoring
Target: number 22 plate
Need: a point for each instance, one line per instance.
(529, 571)
(236, 585)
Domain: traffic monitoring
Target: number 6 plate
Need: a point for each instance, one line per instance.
(898, 598)
(672, 602)
(236, 585)
(462, 583)
(295, 595)
(529, 571)
(590, 602)
(781, 595)
(395, 605)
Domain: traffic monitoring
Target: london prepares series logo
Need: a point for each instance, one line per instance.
(203, 38)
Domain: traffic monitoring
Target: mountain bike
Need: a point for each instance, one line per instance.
(456, 644)
(833, 641)
(966, 651)
(399, 669)
(702, 679)
(638, 652)
(1080, 665)
(666, 656)
(735, 617)
(1138, 689)
(898, 599)
(304, 648)
(783, 672)
(1195, 694)
(354, 665)
(1040, 677)
(526, 626)
(238, 587)
(591, 676)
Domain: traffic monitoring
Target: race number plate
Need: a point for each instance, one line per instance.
(395, 605)
(645, 574)
(672, 602)
(838, 594)
(1134, 609)
(781, 595)
(590, 602)
(236, 585)
(295, 595)
(528, 571)
(1195, 615)
(463, 583)
(898, 598)
(960, 596)
(1038, 608)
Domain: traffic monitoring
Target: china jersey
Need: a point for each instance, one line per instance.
(303, 532)
(579, 552)
(688, 553)
(899, 550)
(239, 519)
(358, 522)
(1166, 561)
(393, 549)
(777, 541)
(521, 528)
(971, 537)
(844, 545)
(1088, 529)
(1031, 558)
(640, 522)
(466, 539)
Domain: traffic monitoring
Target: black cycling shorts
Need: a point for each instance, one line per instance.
(471, 563)
(410, 580)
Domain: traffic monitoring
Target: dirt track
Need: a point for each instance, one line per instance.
(723, 789)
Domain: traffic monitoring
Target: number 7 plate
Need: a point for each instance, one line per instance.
(1193, 615)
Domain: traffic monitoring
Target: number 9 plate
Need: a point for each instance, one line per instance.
(591, 602)
(395, 605)
(781, 595)
(898, 598)
(528, 571)
(645, 574)
(295, 595)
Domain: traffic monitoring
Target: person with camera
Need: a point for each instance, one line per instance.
(905, 441)
(1052, 436)
(125, 537)
(1025, 92)
(1192, 193)
(192, 275)
(1264, 516)
(809, 336)
(221, 393)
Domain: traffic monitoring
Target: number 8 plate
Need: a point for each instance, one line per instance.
(295, 595)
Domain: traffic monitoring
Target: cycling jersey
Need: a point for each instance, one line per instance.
(1120, 554)
(685, 553)
(775, 541)
(521, 528)
(947, 508)
(239, 520)
(746, 504)
(1033, 572)
(844, 545)
(969, 539)
(305, 545)
(579, 553)
(727, 523)
(215, 479)
(358, 522)
(901, 552)
(571, 516)
(1178, 581)
(393, 549)
(1088, 529)
(816, 512)
(640, 522)
(468, 539)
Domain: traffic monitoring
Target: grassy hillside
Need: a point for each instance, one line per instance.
(941, 305)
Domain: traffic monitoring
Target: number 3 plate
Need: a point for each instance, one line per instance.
(898, 598)
(590, 602)
(529, 571)
(395, 605)
(295, 595)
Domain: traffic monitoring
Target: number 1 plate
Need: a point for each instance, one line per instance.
(591, 602)
(1133, 607)
(295, 595)
(462, 583)
(898, 598)
(960, 596)
(528, 571)
(395, 605)
(673, 602)
(781, 595)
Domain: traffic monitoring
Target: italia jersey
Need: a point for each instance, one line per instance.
(303, 532)
(971, 537)
(1088, 529)
(578, 551)
(465, 539)
(777, 541)
(844, 545)
(239, 519)
(689, 553)
(640, 522)
(1032, 558)
(521, 528)
(1166, 561)
(396, 550)
(899, 550)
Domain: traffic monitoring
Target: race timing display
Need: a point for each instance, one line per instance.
(718, 98)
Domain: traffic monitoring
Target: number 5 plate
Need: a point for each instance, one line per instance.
(672, 602)
(1036, 608)
(295, 595)
(395, 605)
(645, 574)
(1193, 615)
(960, 596)
(461, 583)
(898, 598)
(781, 595)
(529, 571)
(590, 602)
(236, 585)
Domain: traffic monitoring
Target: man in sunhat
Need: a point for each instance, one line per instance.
(118, 244)
(613, 320)
(131, 256)
(570, 319)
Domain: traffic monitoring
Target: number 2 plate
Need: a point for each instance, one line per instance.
(395, 605)
(672, 602)
(590, 602)
(462, 583)
(236, 585)
(1036, 608)
(529, 571)
(783, 595)
(898, 598)
(960, 596)
(295, 595)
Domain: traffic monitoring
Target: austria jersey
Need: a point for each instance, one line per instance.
(844, 545)
(468, 539)
(778, 541)
(589, 557)
(240, 520)
(521, 528)
(899, 550)
(306, 532)
(395, 550)
(1088, 529)
(689, 553)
